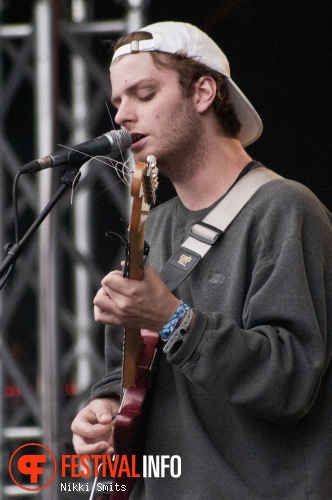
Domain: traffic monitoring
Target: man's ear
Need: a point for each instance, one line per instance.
(205, 92)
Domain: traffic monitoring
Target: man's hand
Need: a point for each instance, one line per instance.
(93, 427)
(142, 304)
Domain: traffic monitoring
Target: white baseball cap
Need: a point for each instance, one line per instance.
(173, 37)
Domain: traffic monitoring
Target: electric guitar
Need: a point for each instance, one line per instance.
(140, 349)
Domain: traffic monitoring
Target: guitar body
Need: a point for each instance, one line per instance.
(130, 423)
(140, 347)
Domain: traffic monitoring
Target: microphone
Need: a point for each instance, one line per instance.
(111, 142)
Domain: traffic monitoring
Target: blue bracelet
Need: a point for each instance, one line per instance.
(169, 328)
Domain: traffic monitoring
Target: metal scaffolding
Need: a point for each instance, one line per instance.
(53, 73)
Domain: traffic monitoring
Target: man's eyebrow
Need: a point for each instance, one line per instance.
(147, 82)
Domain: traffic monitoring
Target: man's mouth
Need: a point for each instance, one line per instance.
(137, 137)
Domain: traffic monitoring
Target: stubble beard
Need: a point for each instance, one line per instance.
(181, 153)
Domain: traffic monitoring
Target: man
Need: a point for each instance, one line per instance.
(245, 397)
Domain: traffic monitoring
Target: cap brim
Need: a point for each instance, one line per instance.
(251, 124)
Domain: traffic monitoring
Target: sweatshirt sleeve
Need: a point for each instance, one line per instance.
(110, 384)
(273, 363)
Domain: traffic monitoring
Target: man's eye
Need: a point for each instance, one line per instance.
(146, 97)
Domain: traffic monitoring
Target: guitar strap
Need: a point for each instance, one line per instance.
(205, 233)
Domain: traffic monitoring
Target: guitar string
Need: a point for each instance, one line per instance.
(121, 168)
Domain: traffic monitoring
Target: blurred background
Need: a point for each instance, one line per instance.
(54, 90)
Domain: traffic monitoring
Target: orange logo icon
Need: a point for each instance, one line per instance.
(27, 466)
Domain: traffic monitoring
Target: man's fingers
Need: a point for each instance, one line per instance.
(85, 448)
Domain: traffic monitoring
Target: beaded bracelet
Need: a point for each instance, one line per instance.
(168, 329)
(179, 332)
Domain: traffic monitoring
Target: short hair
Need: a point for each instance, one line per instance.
(189, 72)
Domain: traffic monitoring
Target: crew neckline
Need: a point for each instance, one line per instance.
(186, 215)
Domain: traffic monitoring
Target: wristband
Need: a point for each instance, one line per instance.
(179, 333)
(169, 327)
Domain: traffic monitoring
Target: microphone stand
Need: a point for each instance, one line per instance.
(68, 180)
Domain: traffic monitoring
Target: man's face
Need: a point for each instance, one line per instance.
(151, 106)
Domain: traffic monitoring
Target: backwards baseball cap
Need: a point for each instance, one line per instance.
(176, 37)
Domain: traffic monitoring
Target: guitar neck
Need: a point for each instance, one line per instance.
(143, 190)
(133, 341)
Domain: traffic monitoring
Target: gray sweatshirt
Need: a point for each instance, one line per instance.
(246, 400)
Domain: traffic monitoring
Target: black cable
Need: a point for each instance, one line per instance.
(16, 223)
(15, 203)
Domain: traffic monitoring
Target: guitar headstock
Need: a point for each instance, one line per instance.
(145, 181)
(143, 190)
(150, 181)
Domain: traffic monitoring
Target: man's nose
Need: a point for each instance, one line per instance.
(124, 114)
